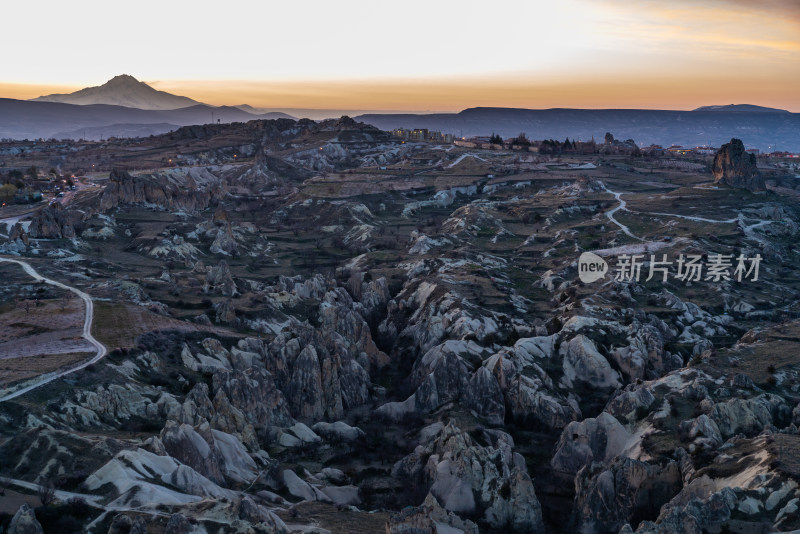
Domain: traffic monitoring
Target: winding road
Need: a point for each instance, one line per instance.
(621, 206)
(87, 332)
(747, 229)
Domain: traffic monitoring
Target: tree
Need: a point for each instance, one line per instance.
(521, 140)
(7, 192)
(609, 139)
(47, 492)
(495, 139)
(33, 172)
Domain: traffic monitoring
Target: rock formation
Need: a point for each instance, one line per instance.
(24, 522)
(736, 167)
(189, 190)
(54, 222)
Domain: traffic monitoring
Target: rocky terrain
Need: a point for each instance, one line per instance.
(338, 331)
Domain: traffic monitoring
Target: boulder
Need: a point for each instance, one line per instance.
(302, 489)
(338, 431)
(342, 495)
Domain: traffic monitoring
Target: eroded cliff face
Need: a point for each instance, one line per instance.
(189, 189)
(736, 167)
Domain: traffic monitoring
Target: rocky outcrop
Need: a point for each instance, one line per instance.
(188, 190)
(55, 222)
(178, 524)
(338, 431)
(219, 279)
(119, 403)
(249, 397)
(429, 518)
(443, 375)
(533, 404)
(305, 386)
(24, 522)
(597, 439)
(18, 233)
(748, 416)
(225, 311)
(485, 396)
(225, 242)
(300, 488)
(735, 167)
(193, 448)
(583, 363)
(467, 478)
(123, 524)
(694, 517)
(625, 491)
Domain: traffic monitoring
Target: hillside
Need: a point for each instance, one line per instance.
(122, 90)
(23, 119)
(661, 127)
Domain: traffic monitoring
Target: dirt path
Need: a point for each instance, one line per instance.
(621, 206)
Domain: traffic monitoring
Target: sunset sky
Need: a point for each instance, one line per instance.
(420, 55)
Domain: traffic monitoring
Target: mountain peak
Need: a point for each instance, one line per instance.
(122, 78)
(123, 90)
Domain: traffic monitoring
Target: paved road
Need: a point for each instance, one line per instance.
(87, 331)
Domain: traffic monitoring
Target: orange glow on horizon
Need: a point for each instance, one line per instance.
(456, 94)
(420, 55)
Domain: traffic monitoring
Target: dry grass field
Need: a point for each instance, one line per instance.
(118, 325)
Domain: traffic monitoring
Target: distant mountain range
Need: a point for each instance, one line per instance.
(24, 119)
(123, 90)
(741, 107)
(763, 128)
(126, 107)
(121, 107)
